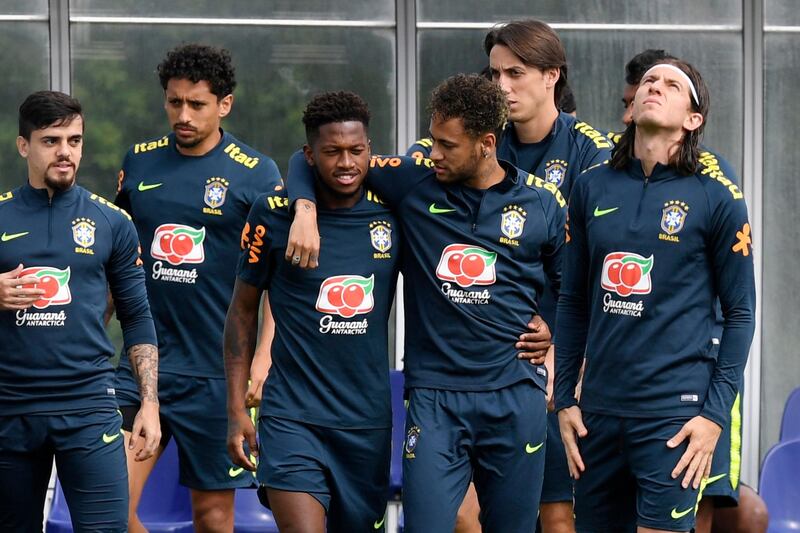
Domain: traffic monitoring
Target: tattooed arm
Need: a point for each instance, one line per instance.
(144, 364)
(239, 343)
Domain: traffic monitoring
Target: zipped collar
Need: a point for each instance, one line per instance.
(40, 197)
(660, 172)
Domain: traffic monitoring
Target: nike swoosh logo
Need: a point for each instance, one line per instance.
(533, 449)
(6, 237)
(108, 439)
(233, 472)
(438, 210)
(378, 525)
(712, 479)
(678, 515)
(600, 212)
(143, 187)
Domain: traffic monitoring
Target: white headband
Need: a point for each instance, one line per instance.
(682, 74)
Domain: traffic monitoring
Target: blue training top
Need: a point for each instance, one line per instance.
(646, 259)
(54, 357)
(190, 211)
(330, 361)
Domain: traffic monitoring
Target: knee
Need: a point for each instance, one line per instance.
(212, 517)
(557, 517)
(757, 517)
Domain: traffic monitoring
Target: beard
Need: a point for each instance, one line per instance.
(59, 182)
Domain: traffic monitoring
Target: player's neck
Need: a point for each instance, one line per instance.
(202, 148)
(489, 173)
(652, 146)
(327, 199)
(539, 126)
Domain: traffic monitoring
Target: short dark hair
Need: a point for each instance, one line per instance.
(47, 108)
(330, 107)
(685, 159)
(535, 43)
(641, 63)
(198, 62)
(478, 102)
(566, 102)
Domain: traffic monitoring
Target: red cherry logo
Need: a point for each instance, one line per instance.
(631, 274)
(353, 296)
(346, 312)
(165, 242)
(335, 296)
(623, 290)
(182, 244)
(50, 286)
(454, 263)
(472, 265)
(614, 272)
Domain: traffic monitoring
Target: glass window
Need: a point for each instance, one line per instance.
(781, 13)
(30, 7)
(30, 40)
(277, 70)
(596, 66)
(377, 10)
(780, 299)
(593, 11)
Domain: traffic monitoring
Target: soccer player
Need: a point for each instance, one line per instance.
(480, 239)
(325, 426)
(652, 242)
(62, 247)
(189, 193)
(726, 502)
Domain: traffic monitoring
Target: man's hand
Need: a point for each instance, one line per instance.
(302, 247)
(570, 422)
(13, 293)
(147, 425)
(253, 396)
(533, 344)
(241, 430)
(696, 460)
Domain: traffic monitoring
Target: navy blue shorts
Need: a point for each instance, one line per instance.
(557, 486)
(193, 411)
(90, 461)
(496, 438)
(346, 470)
(627, 481)
(723, 483)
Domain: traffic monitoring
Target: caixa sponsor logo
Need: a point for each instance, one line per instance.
(626, 273)
(467, 265)
(53, 281)
(178, 244)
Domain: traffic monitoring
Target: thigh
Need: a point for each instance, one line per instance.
(195, 413)
(661, 502)
(510, 448)
(436, 459)
(358, 461)
(557, 484)
(25, 464)
(605, 492)
(90, 461)
(292, 459)
(296, 511)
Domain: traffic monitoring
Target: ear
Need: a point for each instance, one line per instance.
(551, 76)
(489, 142)
(22, 146)
(308, 152)
(225, 105)
(692, 121)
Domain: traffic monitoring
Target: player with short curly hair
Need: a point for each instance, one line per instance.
(189, 193)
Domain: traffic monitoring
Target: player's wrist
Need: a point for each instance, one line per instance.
(303, 207)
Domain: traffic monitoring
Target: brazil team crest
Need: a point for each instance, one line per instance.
(555, 171)
(673, 216)
(411, 441)
(512, 223)
(83, 234)
(380, 235)
(214, 197)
